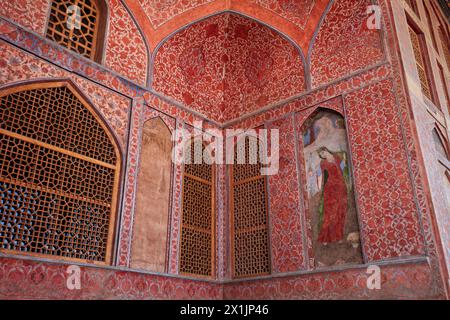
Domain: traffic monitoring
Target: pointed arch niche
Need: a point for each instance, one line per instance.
(149, 244)
(79, 25)
(328, 190)
(228, 65)
(59, 175)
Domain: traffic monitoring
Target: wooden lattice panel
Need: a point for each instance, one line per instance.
(198, 199)
(249, 217)
(58, 177)
(250, 152)
(82, 37)
(251, 254)
(445, 45)
(197, 231)
(196, 248)
(44, 115)
(250, 204)
(420, 62)
(52, 170)
(444, 86)
(197, 167)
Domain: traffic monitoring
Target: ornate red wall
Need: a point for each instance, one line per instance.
(229, 70)
(333, 55)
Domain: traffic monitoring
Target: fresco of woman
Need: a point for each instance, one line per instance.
(334, 194)
(329, 189)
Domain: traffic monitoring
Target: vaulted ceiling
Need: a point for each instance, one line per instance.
(297, 19)
(227, 58)
(228, 65)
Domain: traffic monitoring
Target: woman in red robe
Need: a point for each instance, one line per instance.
(334, 198)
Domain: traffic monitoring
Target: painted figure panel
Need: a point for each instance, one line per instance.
(329, 187)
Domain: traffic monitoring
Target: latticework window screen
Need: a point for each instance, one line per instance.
(75, 25)
(197, 227)
(58, 176)
(445, 41)
(418, 48)
(444, 86)
(250, 239)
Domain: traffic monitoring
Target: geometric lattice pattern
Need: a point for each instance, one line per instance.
(445, 44)
(197, 229)
(249, 149)
(73, 24)
(55, 116)
(195, 166)
(57, 176)
(250, 204)
(199, 203)
(417, 44)
(250, 215)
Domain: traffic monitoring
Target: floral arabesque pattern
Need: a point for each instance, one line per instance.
(287, 240)
(161, 11)
(125, 51)
(296, 11)
(344, 44)
(31, 14)
(22, 279)
(388, 213)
